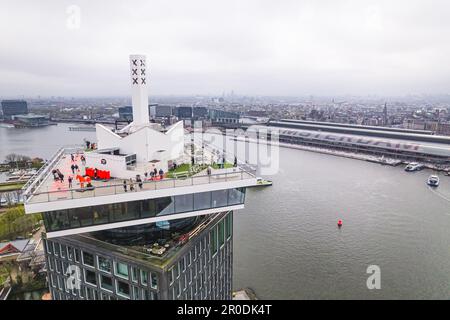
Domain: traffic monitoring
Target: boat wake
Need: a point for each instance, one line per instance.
(440, 195)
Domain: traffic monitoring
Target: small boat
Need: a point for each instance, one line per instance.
(414, 166)
(263, 182)
(433, 181)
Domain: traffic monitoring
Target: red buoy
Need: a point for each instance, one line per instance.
(339, 223)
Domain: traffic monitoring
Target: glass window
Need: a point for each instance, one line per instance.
(106, 282)
(229, 225)
(123, 288)
(144, 277)
(164, 206)
(88, 259)
(51, 264)
(136, 293)
(134, 274)
(177, 271)
(70, 253)
(202, 200)
(65, 268)
(182, 264)
(122, 270)
(90, 294)
(171, 276)
(100, 214)
(52, 280)
(154, 280)
(177, 290)
(221, 233)
(213, 239)
(189, 257)
(184, 203)
(63, 251)
(56, 248)
(89, 277)
(236, 196)
(219, 198)
(49, 246)
(77, 255)
(58, 220)
(148, 208)
(189, 276)
(104, 264)
(145, 294)
(126, 211)
(58, 265)
(84, 215)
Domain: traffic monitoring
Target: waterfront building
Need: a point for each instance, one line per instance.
(124, 234)
(11, 108)
(401, 144)
(30, 120)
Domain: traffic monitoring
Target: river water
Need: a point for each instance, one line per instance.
(286, 242)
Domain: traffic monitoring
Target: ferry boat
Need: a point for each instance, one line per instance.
(414, 166)
(433, 181)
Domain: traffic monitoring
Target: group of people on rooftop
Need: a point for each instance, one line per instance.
(151, 175)
(154, 174)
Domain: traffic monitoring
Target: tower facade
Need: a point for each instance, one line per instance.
(139, 91)
(100, 269)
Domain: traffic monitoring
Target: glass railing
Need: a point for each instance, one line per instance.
(117, 186)
(35, 182)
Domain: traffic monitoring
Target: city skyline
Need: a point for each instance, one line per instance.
(257, 48)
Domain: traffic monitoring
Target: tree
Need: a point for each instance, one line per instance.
(17, 160)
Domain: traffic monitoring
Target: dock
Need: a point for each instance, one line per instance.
(89, 129)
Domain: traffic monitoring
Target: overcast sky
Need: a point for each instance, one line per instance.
(327, 47)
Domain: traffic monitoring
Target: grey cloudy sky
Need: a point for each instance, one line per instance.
(263, 47)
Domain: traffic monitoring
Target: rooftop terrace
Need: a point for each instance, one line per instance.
(42, 188)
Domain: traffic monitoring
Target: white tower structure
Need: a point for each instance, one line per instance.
(139, 92)
(141, 145)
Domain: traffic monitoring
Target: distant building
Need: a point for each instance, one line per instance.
(223, 116)
(126, 113)
(12, 249)
(257, 113)
(200, 112)
(14, 107)
(444, 128)
(160, 111)
(30, 120)
(184, 112)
